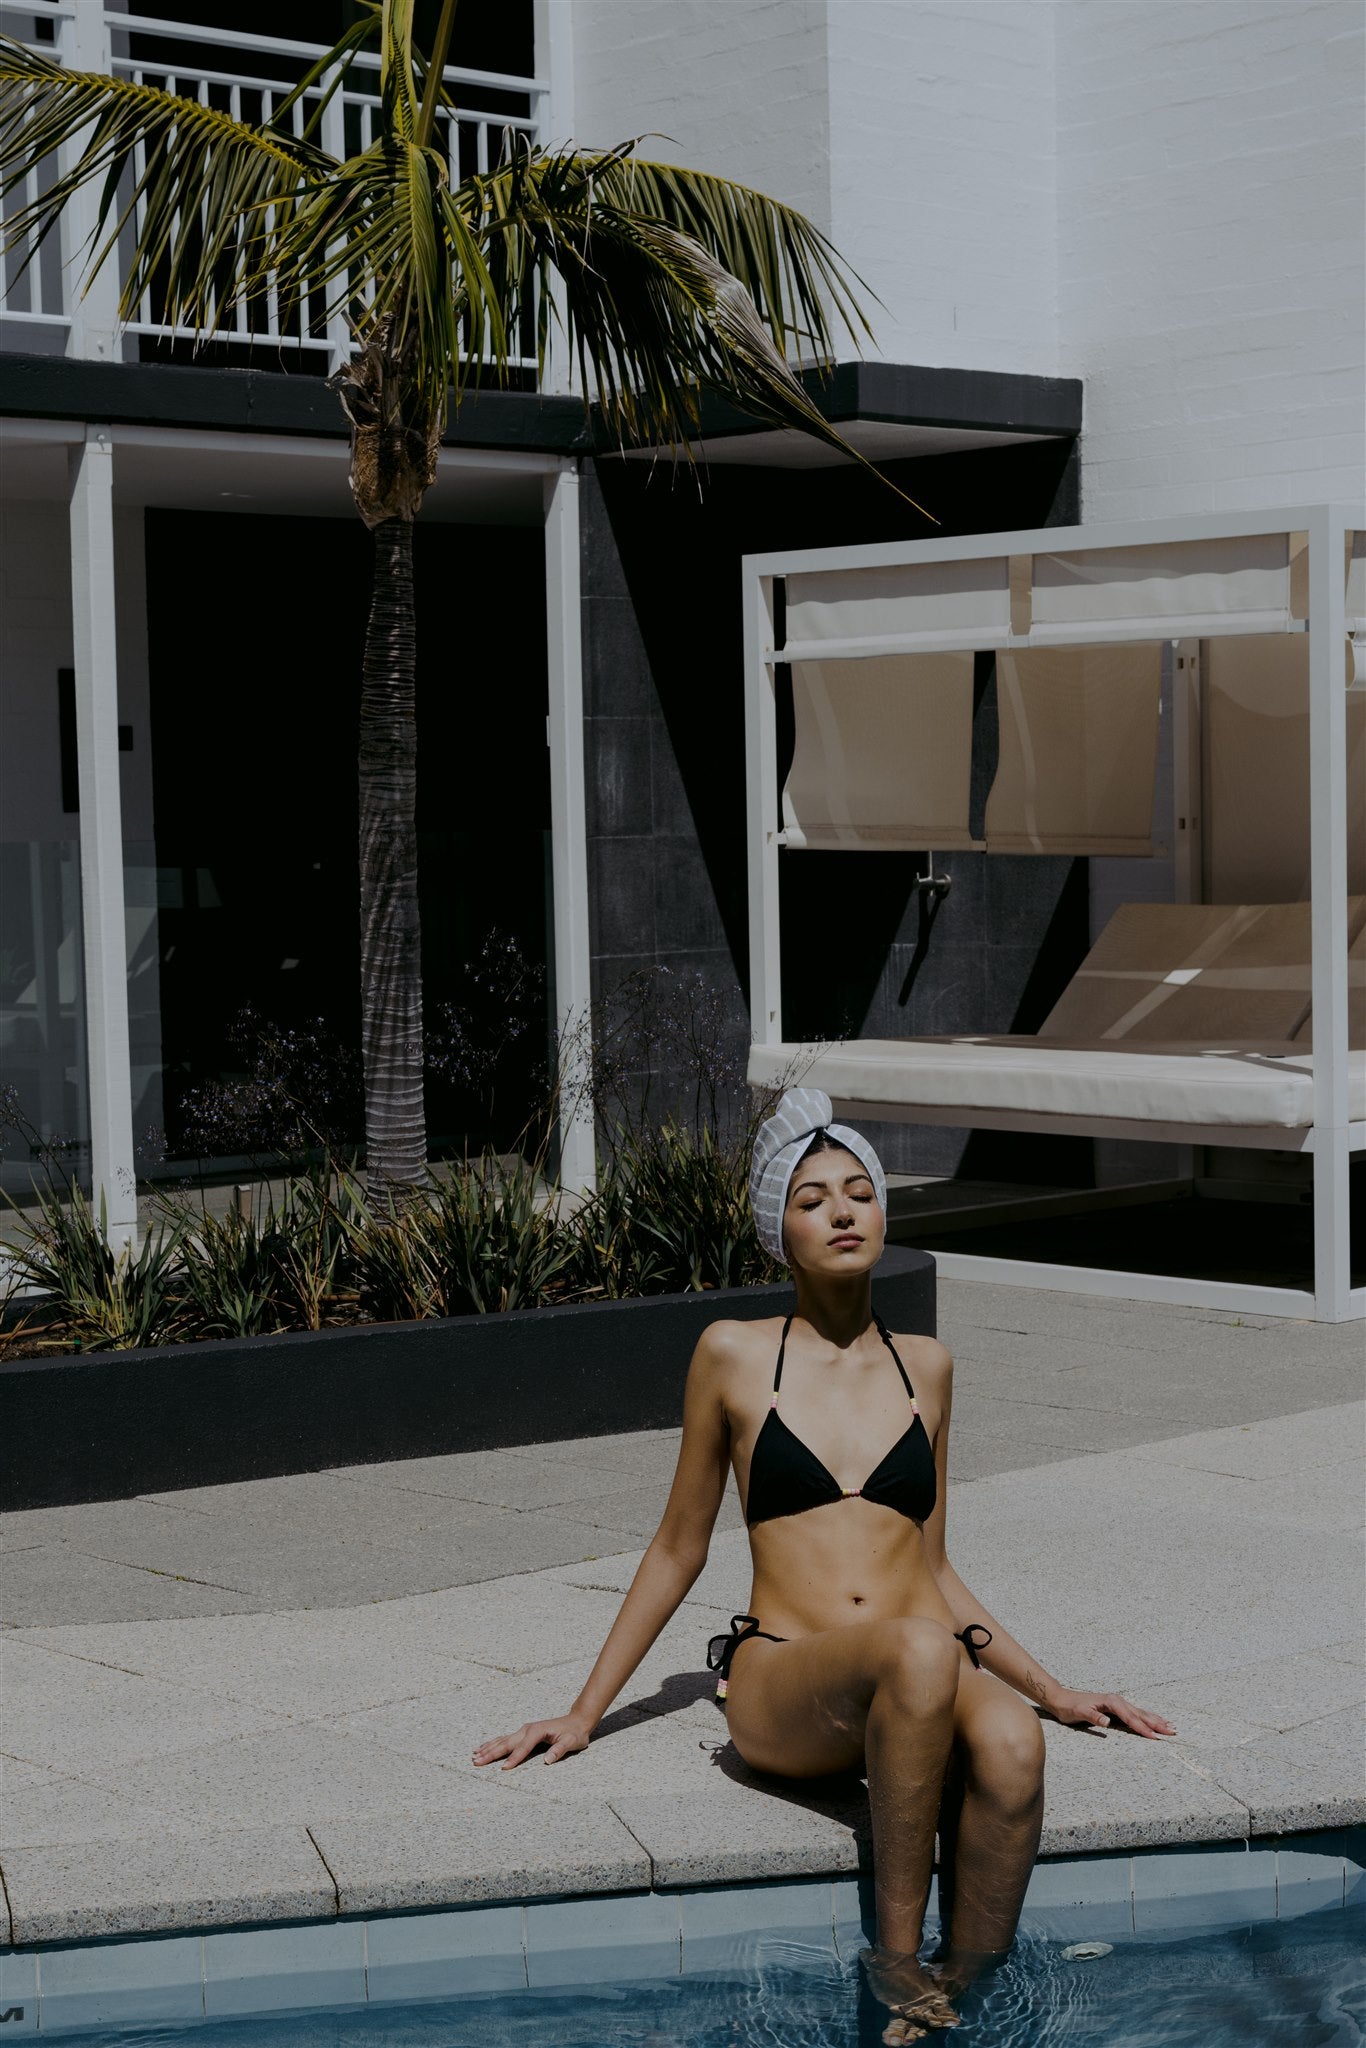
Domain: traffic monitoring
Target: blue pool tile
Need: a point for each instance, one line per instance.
(855, 1915)
(130, 1983)
(1080, 1898)
(1208, 1885)
(594, 1941)
(733, 1924)
(1312, 1872)
(273, 1968)
(440, 1955)
(19, 1992)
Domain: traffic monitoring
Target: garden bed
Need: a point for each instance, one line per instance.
(107, 1425)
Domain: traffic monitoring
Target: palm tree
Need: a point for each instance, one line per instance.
(657, 281)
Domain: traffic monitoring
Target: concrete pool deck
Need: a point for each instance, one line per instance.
(249, 1704)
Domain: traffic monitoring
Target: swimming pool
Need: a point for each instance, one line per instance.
(1297, 1984)
(1226, 1946)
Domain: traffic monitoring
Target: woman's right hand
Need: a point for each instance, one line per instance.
(563, 1738)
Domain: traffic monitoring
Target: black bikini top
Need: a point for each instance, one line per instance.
(787, 1478)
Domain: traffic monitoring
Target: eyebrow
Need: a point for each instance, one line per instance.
(823, 1185)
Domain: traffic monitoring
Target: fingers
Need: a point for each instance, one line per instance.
(1136, 1719)
(514, 1748)
(1141, 1721)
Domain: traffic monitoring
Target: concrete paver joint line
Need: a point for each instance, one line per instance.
(9, 1911)
(332, 1876)
(644, 1847)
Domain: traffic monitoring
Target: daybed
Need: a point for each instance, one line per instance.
(1188, 1023)
(1228, 1023)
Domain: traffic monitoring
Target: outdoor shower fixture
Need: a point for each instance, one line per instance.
(930, 882)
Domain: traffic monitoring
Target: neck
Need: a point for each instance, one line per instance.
(838, 1310)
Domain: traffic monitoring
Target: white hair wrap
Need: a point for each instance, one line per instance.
(778, 1148)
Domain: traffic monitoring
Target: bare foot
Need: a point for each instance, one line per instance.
(918, 2004)
(954, 1969)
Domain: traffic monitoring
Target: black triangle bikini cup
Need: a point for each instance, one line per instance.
(786, 1477)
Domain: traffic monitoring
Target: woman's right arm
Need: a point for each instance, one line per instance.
(667, 1573)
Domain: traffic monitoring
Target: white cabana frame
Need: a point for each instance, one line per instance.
(1282, 572)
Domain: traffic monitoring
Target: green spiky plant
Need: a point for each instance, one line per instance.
(665, 281)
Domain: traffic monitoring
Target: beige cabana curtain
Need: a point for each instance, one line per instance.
(927, 603)
(1256, 772)
(883, 757)
(1244, 581)
(1078, 760)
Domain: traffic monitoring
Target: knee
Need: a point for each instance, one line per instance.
(918, 1665)
(1006, 1757)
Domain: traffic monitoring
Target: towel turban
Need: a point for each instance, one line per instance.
(779, 1146)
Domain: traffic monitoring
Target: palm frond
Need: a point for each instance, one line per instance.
(652, 314)
(397, 85)
(790, 270)
(212, 192)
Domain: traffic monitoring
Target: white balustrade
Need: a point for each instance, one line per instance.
(252, 77)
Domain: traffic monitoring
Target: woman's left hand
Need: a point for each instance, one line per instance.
(1102, 1710)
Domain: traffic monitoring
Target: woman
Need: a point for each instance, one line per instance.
(863, 1648)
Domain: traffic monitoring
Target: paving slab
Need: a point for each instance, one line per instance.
(81, 1717)
(1213, 1573)
(501, 1479)
(148, 1883)
(469, 1854)
(1309, 1777)
(299, 1773)
(1113, 1790)
(43, 1580)
(1271, 1695)
(756, 1833)
(302, 1666)
(444, 1727)
(63, 1809)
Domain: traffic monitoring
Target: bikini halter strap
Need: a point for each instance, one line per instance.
(882, 1331)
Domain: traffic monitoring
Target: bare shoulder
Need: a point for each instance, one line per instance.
(929, 1363)
(728, 1345)
(730, 1354)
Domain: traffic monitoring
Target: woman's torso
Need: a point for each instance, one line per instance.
(847, 1559)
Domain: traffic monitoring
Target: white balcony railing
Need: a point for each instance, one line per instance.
(250, 78)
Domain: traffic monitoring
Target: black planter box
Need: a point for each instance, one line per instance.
(109, 1424)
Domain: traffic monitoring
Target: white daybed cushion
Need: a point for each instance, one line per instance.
(1200, 1088)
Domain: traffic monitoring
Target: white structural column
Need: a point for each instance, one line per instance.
(761, 769)
(94, 329)
(553, 33)
(97, 756)
(569, 828)
(1328, 889)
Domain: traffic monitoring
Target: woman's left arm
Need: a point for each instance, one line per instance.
(1003, 1655)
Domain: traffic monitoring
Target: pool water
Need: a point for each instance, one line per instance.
(1297, 1983)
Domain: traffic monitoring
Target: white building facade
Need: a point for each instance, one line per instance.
(1113, 253)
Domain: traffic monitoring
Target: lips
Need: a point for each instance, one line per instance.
(845, 1244)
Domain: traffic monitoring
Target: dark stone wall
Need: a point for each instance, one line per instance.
(864, 954)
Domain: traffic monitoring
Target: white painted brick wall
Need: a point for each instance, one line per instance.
(1161, 197)
(1211, 250)
(733, 86)
(943, 176)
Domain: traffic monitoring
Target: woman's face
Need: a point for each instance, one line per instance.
(833, 1222)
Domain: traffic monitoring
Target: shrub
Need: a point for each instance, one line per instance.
(103, 1300)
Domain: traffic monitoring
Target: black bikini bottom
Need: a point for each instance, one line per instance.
(721, 1649)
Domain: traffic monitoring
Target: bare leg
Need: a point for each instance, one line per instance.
(989, 1825)
(880, 1693)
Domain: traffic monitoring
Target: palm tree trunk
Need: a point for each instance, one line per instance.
(390, 930)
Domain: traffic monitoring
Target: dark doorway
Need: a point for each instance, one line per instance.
(256, 632)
